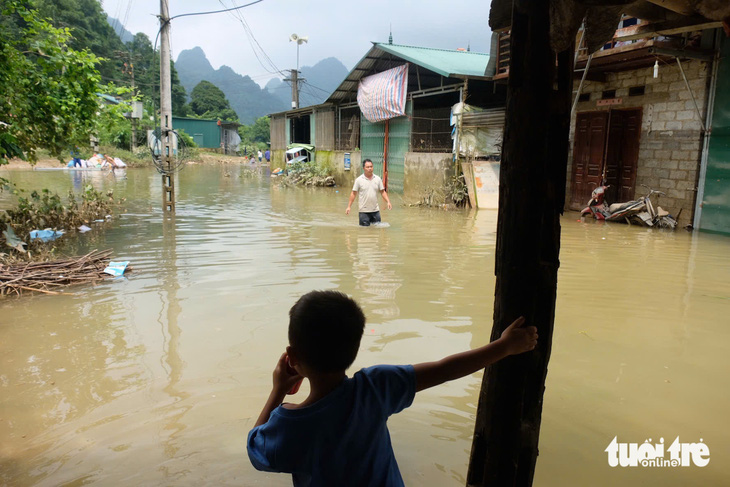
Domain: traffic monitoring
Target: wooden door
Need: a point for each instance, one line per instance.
(588, 156)
(622, 154)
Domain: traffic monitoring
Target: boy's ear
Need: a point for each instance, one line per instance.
(291, 353)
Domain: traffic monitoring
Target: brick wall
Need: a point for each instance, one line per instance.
(671, 131)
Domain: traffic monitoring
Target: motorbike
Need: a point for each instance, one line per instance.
(640, 211)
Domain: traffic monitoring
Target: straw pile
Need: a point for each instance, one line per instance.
(49, 277)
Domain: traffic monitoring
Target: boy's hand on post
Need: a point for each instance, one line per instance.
(518, 338)
(283, 380)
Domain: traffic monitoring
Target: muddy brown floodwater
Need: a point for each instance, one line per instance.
(156, 378)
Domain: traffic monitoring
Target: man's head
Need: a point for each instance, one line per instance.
(367, 167)
(325, 328)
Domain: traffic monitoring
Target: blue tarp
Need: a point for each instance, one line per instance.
(45, 235)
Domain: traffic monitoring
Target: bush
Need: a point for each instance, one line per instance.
(41, 210)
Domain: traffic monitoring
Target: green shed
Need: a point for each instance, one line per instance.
(205, 133)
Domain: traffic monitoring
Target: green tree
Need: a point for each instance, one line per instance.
(257, 132)
(208, 101)
(147, 76)
(48, 98)
(88, 26)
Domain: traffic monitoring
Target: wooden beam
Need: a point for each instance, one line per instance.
(683, 53)
(667, 28)
(680, 6)
(531, 199)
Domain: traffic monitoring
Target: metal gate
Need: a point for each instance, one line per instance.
(372, 139)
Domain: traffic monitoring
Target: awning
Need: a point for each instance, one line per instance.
(382, 96)
(297, 147)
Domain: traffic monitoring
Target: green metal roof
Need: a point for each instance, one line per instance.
(442, 61)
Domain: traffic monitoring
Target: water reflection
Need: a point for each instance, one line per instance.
(167, 368)
(171, 332)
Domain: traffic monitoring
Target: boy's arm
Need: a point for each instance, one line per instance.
(275, 399)
(283, 382)
(515, 339)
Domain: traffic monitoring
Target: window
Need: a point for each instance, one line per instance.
(608, 94)
(637, 90)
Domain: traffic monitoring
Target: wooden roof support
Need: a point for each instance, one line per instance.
(680, 6)
(531, 198)
(670, 27)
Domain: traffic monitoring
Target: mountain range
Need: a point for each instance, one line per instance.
(246, 97)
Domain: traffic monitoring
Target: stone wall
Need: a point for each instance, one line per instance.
(426, 177)
(671, 131)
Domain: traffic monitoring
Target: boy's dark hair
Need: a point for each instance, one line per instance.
(365, 161)
(325, 328)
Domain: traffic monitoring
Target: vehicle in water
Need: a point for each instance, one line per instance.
(640, 211)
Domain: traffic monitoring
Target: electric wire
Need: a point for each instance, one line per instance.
(253, 43)
(216, 11)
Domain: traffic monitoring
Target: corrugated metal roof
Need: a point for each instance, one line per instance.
(442, 61)
(383, 56)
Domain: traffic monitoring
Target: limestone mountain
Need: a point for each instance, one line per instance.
(119, 29)
(247, 98)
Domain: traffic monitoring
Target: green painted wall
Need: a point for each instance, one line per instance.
(206, 130)
(372, 136)
(399, 142)
(715, 214)
(399, 139)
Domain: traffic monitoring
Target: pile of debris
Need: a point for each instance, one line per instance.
(49, 277)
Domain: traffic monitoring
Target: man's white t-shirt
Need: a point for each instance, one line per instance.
(367, 191)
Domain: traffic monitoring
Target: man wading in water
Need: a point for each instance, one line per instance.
(368, 185)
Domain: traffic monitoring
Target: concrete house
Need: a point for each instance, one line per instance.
(417, 148)
(652, 109)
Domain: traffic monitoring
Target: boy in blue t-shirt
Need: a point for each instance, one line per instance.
(338, 435)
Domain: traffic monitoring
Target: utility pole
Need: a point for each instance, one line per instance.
(168, 176)
(134, 93)
(295, 72)
(294, 88)
(128, 68)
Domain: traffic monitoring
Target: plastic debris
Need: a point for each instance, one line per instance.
(46, 235)
(13, 241)
(84, 228)
(116, 268)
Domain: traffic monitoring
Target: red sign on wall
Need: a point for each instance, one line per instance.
(609, 101)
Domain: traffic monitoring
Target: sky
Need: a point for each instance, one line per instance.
(336, 28)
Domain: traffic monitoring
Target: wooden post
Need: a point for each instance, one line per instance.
(531, 198)
(385, 155)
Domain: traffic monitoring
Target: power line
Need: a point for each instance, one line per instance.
(253, 42)
(217, 11)
(328, 92)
